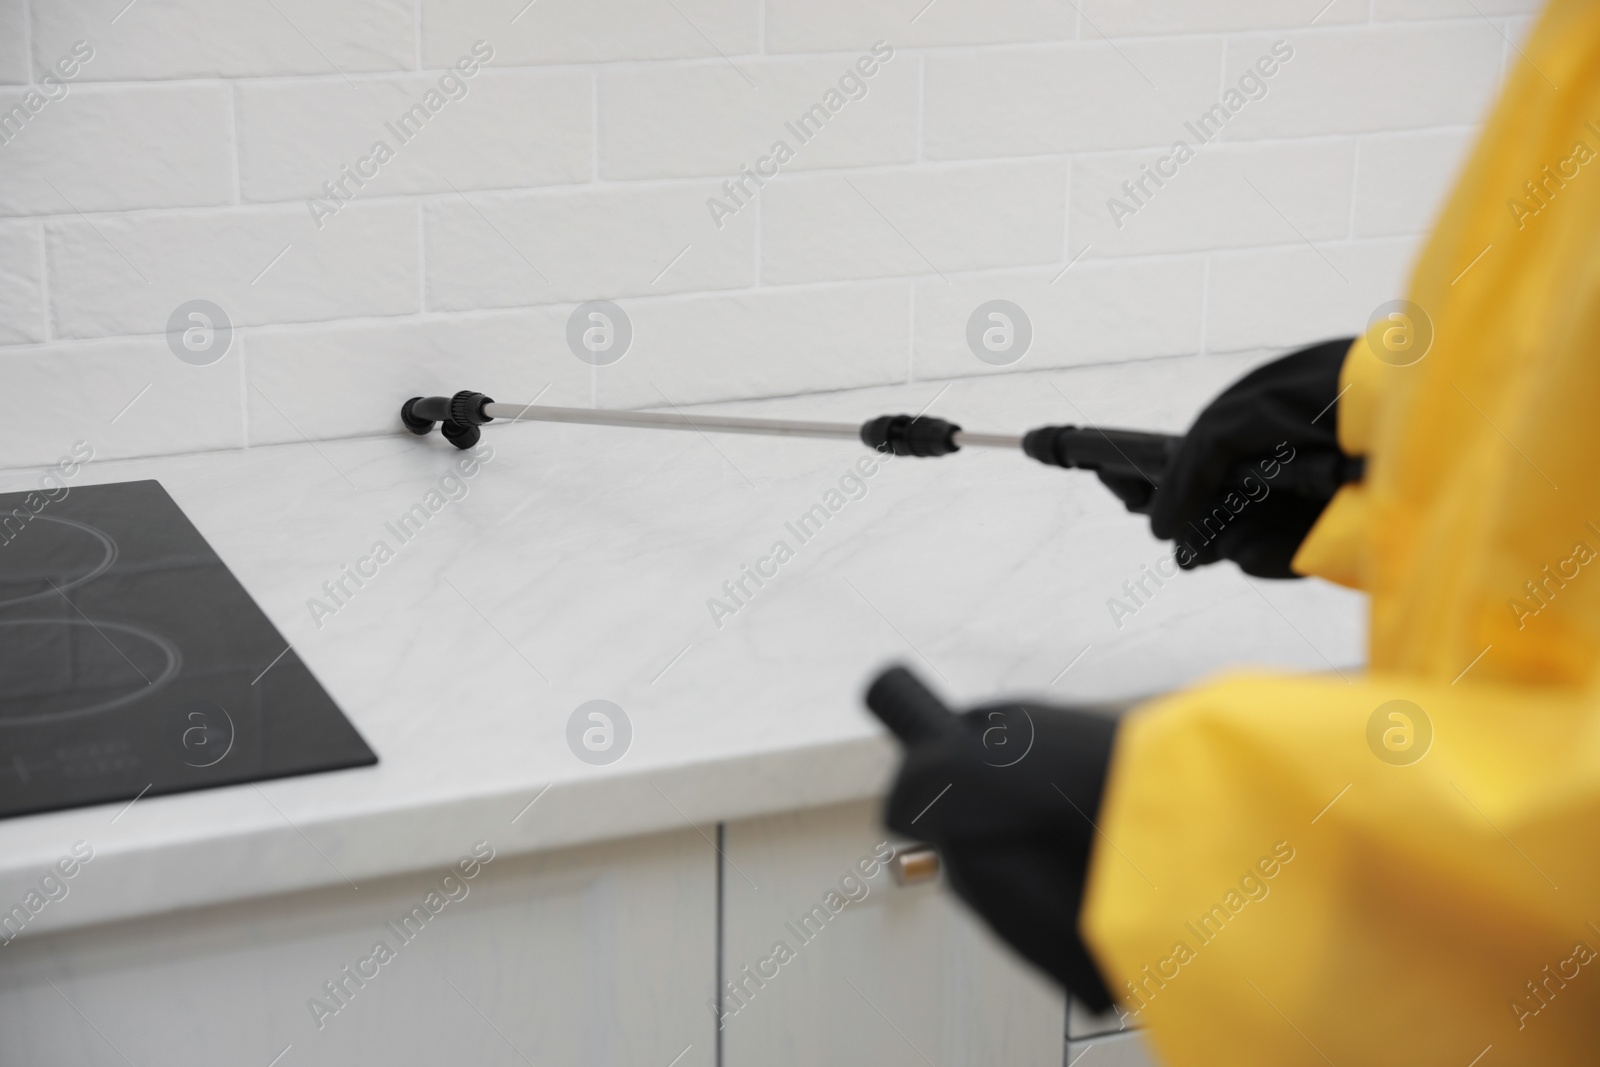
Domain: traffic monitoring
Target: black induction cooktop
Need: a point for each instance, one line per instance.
(132, 662)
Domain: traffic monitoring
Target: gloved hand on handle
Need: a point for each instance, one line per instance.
(1008, 794)
(1218, 497)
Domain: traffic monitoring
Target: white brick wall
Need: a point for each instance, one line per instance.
(103, 149)
(590, 31)
(853, 26)
(124, 274)
(710, 118)
(21, 283)
(579, 159)
(160, 39)
(13, 45)
(1085, 97)
(1227, 197)
(612, 240)
(520, 127)
(886, 223)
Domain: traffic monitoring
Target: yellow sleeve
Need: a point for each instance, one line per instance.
(1336, 547)
(1303, 871)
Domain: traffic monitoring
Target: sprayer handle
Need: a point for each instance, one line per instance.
(908, 708)
(1134, 454)
(1125, 453)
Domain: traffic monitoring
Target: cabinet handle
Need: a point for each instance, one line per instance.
(914, 866)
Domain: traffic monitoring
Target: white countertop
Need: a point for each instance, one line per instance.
(593, 552)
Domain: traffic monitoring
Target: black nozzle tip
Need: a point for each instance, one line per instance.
(414, 422)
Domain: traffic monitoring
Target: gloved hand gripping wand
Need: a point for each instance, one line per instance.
(1116, 453)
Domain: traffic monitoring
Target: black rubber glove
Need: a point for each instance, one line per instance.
(1008, 793)
(1230, 492)
(1135, 493)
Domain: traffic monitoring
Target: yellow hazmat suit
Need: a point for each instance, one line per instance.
(1403, 866)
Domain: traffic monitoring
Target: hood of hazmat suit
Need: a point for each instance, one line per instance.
(1402, 866)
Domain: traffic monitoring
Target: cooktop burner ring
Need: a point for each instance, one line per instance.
(170, 671)
(100, 568)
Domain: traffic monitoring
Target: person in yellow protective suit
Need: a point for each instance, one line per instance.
(1400, 866)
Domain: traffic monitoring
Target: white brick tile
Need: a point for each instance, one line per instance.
(13, 45)
(362, 373)
(875, 225)
(707, 119)
(99, 149)
(1275, 298)
(21, 283)
(1386, 10)
(1118, 17)
(66, 67)
(228, 38)
(1301, 192)
(1402, 180)
(587, 31)
(595, 244)
(184, 409)
(1094, 313)
(497, 129)
(1078, 97)
(365, 262)
(1367, 79)
(767, 343)
(850, 25)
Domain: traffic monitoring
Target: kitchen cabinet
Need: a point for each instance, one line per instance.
(900, 975)
(593, 955)
(1081, 1022)
(1119, 1050)
(597, 954)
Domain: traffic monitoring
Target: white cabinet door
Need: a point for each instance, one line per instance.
(595, 956)
(1119, 1050)
(897, 976)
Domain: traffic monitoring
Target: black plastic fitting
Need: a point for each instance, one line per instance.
(466, 408)
(910, 435)
(413, 419)
(458, 416)
(1128, 453)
